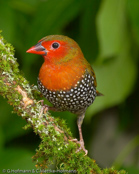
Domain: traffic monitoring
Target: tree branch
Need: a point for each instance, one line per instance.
(55, 137)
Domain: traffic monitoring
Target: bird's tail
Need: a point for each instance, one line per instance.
(99, 94)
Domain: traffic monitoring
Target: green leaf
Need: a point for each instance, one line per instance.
(117, 75)
(110, 26)
(87, 37)
(133, 10)
(24, 6)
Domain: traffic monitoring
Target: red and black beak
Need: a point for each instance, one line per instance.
(38, 49)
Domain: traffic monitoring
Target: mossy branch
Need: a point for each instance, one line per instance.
(55, 137)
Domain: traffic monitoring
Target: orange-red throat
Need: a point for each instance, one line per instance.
(64, 64)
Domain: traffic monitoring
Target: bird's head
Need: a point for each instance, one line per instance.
(56, 48)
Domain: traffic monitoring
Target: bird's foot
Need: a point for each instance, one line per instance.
(81, 146)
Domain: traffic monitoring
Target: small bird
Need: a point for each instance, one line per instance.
(66, 79)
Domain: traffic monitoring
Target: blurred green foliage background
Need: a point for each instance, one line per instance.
(108, 34)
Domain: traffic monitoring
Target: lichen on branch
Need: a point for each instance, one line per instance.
(55, 145)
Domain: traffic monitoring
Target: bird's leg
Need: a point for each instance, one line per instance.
(81, 142)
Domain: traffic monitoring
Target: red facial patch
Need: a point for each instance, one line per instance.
(55, 53)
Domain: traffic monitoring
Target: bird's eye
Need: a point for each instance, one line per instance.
(55, 45)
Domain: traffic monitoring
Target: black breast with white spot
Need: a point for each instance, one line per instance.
(77, 98)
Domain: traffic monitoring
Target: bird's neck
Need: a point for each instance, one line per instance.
(62, 75)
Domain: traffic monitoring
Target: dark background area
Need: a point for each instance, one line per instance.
(108, 34)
